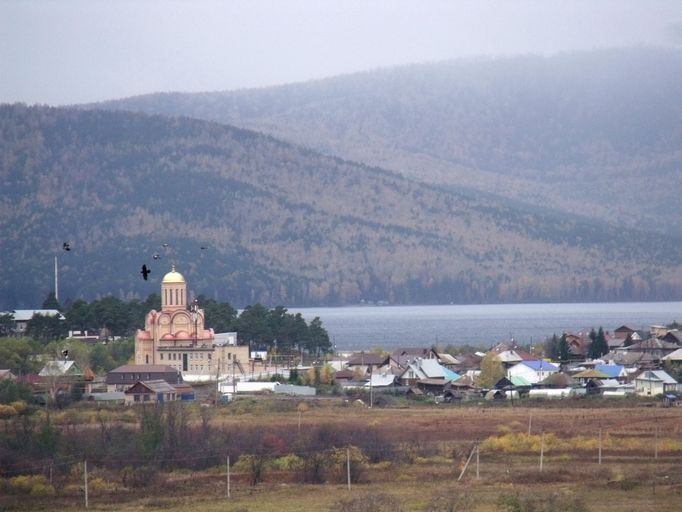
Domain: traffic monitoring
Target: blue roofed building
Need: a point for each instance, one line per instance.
(613, 371)
(532, 371)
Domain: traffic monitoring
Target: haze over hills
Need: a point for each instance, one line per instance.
(595, 132)
(281, 224)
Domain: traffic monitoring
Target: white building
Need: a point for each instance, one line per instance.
(532, 371)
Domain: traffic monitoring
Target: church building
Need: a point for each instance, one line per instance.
(177, 336)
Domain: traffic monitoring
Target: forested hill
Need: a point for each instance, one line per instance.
(596, 132)
(279, 224)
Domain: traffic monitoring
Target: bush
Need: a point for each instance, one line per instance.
(35, 485)
(289, 462)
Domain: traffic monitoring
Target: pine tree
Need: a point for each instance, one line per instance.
(564, 349)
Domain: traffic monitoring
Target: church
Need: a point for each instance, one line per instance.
(177, 337)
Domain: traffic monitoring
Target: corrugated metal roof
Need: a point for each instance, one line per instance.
(541, 366)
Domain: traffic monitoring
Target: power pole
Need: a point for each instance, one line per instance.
(56, 279)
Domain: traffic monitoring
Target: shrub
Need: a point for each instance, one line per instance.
(36, 485)
(563, 501)
(7, 411)
(288, 462)
(314, 468)
(41, 489)
(358, 462)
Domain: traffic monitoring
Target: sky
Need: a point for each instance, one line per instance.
(61, 52)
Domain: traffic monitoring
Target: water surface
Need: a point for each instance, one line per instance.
(388, 327)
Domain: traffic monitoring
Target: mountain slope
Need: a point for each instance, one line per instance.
(598, 133)
(281, 224)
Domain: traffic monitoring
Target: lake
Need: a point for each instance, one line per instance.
(389, 327)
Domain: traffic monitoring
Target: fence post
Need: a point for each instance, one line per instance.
(478, 474)
(542, 448)
(348, 466)
(228, 476)
(466, 465)
(85, 476)
(599, 446)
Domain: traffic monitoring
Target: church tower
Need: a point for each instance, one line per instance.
(173, 291)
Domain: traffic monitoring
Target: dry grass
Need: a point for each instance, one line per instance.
(431, 446)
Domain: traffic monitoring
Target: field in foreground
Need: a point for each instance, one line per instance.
(411, 462)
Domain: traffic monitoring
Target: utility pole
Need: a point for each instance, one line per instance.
(56, 279)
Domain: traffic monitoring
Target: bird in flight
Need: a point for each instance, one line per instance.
(66, 246)
(203, 248)
(165, 245)
(145, 272)
(156, 256)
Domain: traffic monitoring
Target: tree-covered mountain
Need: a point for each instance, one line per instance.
(280, 224)
(599, 133)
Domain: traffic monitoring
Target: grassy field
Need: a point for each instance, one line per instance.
(422, 453)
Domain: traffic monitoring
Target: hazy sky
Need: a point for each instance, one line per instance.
(71, 51)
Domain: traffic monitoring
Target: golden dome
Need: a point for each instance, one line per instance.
(173, 277)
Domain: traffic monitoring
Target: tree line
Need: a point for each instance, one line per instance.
(257, 325)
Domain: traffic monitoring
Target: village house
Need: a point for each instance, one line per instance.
(533, 371)
(655, 348)
(673, 336)
(655, 382)
(7, 374)
(624, 331)
(613, 371)
(405, 355)
(151, 391)
(21, 317)
(123, 377)
(426, 373)
(369, 362)
(578, 344)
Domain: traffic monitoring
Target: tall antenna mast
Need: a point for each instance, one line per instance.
(56, 279)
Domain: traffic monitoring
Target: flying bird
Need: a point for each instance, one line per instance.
(66, 246)
(156, 256)
(203, 248)
(165, 245)
(145, 272)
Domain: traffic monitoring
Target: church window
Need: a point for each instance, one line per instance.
(209, 356)
(146, 359)
(176, 296)
(161, 356)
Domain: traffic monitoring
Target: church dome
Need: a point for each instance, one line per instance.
(173, 277)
